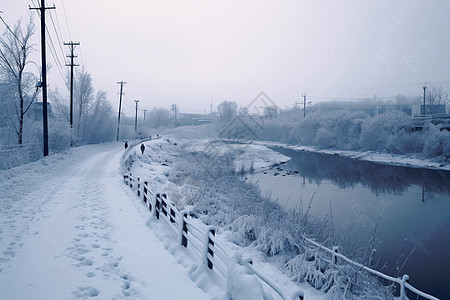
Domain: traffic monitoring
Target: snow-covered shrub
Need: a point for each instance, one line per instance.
(273, 241)
(391, 132)
(311, 267)
(378, 130)
(59, 136)
(245, 229)
(406, 142)
(437, 143)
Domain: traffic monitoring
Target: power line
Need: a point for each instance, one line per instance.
(65, 17)
(53, 51)
(60, 43)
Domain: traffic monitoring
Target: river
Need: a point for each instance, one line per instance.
(411, 207)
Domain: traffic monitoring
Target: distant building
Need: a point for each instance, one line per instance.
(406, 109)
(187, 119)
(420, 110)
(37, 110)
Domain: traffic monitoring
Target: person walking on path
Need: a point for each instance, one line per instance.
(142, 148)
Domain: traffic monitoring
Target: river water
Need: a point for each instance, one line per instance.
(410, 205)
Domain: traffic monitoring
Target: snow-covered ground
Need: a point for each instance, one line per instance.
(70, 229)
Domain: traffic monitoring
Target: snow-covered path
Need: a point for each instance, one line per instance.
(69, 230)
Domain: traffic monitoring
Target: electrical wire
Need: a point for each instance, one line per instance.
(57, 33)
(65, 17)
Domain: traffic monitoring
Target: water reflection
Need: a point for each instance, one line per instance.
(411, 204)
(380, 179)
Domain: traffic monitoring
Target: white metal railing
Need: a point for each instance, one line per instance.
(402, 282)
(203, 240)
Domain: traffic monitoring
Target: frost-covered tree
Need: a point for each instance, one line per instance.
(159, 117)
(83, 98)
(19, 88)
(227, 110)
(93, 114)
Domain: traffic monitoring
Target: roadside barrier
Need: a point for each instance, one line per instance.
(403, 284)
(203, 240)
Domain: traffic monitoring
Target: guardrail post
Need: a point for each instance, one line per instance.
(139, 187)
(405, 279)
(172, 215)
(208, 242)
(333, 256)
(184, 230)
(145, 193)
(157, 205)
(164, 204)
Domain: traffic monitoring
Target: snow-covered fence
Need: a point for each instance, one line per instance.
(197, 236)
(403, 284)
(15, 155)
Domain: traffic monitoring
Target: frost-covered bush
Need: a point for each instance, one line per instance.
(378, 130)
(59, 136)
(406, 142)
(274, 241)
(437, 143)
(392, 132)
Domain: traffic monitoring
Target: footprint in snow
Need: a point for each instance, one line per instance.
(86, 292)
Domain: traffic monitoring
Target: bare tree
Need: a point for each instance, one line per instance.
(227, 110)
(15, 50)
(436, 95)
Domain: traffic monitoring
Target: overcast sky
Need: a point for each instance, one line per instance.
(189, 52)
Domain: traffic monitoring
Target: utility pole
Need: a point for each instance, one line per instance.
(71, 65)
(120, 106)
(174, 111)
(304, 105)
(135, 119)
(44, 75)
(144, 114)
(424, 89)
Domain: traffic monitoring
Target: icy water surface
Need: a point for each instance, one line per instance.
(414, 205)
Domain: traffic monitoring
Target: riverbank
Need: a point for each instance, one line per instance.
(372, 156)
(211, 132)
